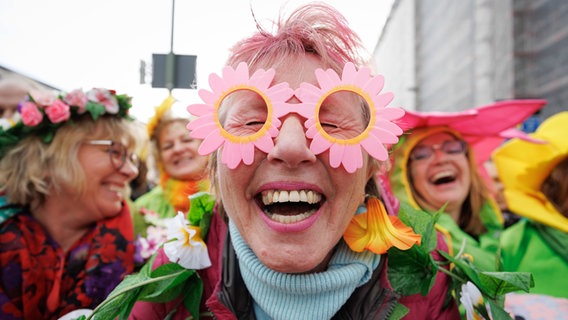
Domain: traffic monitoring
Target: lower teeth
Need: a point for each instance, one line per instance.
(290, 219)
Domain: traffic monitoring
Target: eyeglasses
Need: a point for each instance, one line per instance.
(118, 153)
(244, 112)
(451, 147)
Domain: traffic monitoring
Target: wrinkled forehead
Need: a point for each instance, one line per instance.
(294, 70)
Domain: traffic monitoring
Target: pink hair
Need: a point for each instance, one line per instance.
(314, 28)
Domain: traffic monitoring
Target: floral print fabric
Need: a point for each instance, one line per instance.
(40, 281)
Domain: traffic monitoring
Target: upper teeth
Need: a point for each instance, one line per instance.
(274, 196)
(442, 174)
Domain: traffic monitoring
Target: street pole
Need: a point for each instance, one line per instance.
(170, 61)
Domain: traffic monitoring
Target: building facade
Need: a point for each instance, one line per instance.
(446, 55)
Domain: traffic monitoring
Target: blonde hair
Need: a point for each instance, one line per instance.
(33, 169)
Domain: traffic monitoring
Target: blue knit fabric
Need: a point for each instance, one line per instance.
(302, 296)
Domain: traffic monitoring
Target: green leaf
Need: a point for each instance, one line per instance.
(499, 283)
(121, 299)
(422, 223)
(163, 284)
(497, 311)
(464, 267)
(200, 211)
(411, 271)
(95, 109)
(398, 312)
(192, 299)
(491, 284)
(168, 288)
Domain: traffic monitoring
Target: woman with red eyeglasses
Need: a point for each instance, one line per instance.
(438, 166)
(65, 169)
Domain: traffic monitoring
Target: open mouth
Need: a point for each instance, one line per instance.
(443, 178)
(289, 206)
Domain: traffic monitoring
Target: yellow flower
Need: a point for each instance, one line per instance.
(187, 249)
(377, 232)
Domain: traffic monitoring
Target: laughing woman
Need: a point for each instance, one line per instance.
(285, 240)
(182, 172)
(65, 169)
(436, 166)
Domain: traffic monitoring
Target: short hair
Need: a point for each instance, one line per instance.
(33, 169)
(316, 29)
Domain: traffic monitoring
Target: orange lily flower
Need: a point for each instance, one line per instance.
(377, 232)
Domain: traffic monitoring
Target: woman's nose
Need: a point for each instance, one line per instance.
(129, 169)
(291, 145)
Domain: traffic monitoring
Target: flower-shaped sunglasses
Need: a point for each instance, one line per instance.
(243, 112)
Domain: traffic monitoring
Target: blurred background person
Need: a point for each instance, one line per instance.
(439, 164)
(12, 90)
(535, 178)
(66, 166)
(182, 172)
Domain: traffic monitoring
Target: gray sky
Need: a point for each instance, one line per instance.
(99, 43)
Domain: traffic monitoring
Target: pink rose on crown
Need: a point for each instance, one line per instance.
(58, 111)
(31, 116)
(42, 97)
(77, 98)
(104, 97)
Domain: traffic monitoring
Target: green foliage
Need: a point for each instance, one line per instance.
(166, 283)
(398, 312)
(201, 211)
(414, 270)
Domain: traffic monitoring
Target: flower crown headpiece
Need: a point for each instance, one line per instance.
(42, 113)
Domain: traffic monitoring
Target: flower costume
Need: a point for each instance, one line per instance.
(483, 128)
(538, 242)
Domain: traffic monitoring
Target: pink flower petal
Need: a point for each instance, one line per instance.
(336, 155)
(384, 135)
(200, 109)
(211, 143)
(204, 130)
(231, 155)
(352, 158)
(208, 119)
(319, 144)
(247, 152)
(264, 143)
(375, 148)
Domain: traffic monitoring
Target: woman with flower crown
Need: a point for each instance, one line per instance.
(65, 169)
(182, 172)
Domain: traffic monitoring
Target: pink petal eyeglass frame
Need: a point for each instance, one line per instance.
(381, 128)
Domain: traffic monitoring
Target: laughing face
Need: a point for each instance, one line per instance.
(442, 176)
(290, 205)
(178, 152)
